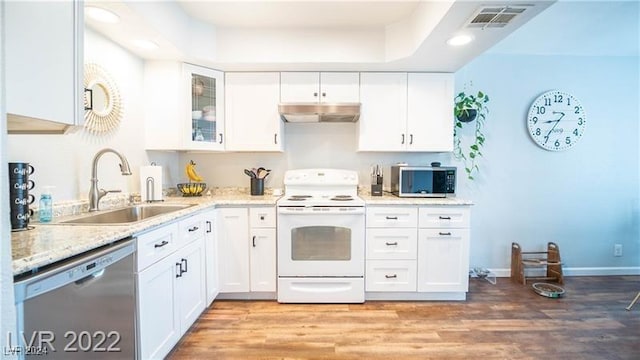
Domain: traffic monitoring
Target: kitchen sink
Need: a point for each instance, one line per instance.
(126, 215)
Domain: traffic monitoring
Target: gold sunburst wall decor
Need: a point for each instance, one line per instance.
(102, 102)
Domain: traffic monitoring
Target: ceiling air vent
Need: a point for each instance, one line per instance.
(495, 16)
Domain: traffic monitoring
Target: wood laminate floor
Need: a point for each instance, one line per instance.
(502, 321)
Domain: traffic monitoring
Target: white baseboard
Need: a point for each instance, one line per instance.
(579, 271)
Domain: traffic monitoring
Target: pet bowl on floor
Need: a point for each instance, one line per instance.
(548, 290)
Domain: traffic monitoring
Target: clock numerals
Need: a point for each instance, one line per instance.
(557, 98)
(556, 121)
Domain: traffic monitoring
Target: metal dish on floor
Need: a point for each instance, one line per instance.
(548, 290)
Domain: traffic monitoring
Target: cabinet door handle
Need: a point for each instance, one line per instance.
(445, 233)
(444, 217)
(402, 139)
(179, 272)
(253, 241)
(163, 243)
(90, 101)
(395, 243)
(183, 261)
(410, 139)
(220, 138)
(394, 276)
(315, 94)
(275, 139)
(324, 94)
(392, 218)
(195, 228)
(208, 226)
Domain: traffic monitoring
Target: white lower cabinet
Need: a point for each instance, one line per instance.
(417, 253)
(211, 256)
(232, 231)
(158, 318)
(247, 240)
(443, 249)
(443, 260)
(391, 275)
(263, 259)
(391, 238)
(171, 287)
(190, 287)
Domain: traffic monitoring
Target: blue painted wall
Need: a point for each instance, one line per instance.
(586, 199)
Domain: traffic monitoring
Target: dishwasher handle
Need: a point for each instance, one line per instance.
(89, 278)
(80, 269)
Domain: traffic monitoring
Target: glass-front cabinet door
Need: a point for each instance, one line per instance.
(205, 130)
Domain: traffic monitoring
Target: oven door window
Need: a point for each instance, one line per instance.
(321, 243)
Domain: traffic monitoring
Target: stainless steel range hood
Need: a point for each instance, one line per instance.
(314, 112)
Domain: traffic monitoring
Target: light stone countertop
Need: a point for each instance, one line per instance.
(46, 244)
(49, 243)
(389, 199)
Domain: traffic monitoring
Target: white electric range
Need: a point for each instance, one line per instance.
(321, 231)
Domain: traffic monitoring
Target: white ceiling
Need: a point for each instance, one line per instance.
(299, 14)
(309, 35)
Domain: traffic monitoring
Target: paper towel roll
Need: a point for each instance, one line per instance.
(151, 183)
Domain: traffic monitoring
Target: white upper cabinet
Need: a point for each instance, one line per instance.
(206, 129)
(383, 113)
(314, 87)
(251, 108)
(406, 112)
(44, 64)
(184, 107)
(430, 112)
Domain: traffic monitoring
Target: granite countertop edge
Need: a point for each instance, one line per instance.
(46, 244)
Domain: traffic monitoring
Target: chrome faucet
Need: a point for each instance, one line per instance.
(94, 194)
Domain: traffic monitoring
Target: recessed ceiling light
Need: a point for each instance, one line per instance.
(460, 40)
(145, 44)
(102, 15)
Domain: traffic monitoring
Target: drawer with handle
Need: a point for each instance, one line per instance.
(191, 228)
(391, 275)
(392, 244)
(262, 217)
(156, 244)
(444, 217)
(392, 217)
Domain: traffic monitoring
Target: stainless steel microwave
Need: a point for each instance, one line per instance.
(423, 181)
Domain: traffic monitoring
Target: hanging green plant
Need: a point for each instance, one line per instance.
(468, 108)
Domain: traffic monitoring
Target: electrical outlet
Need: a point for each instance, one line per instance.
(617, 250)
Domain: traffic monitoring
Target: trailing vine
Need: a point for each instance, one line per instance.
(466, 109)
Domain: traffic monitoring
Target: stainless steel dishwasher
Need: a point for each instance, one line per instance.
(83, 308)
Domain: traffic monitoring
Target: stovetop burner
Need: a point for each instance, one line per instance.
(299, 197)
(342, 198)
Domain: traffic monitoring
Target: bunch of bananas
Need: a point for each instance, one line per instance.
(192, 189)
(190, 170)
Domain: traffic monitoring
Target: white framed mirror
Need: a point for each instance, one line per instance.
(102, 103)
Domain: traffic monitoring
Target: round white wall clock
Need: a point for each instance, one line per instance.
(556, 120)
